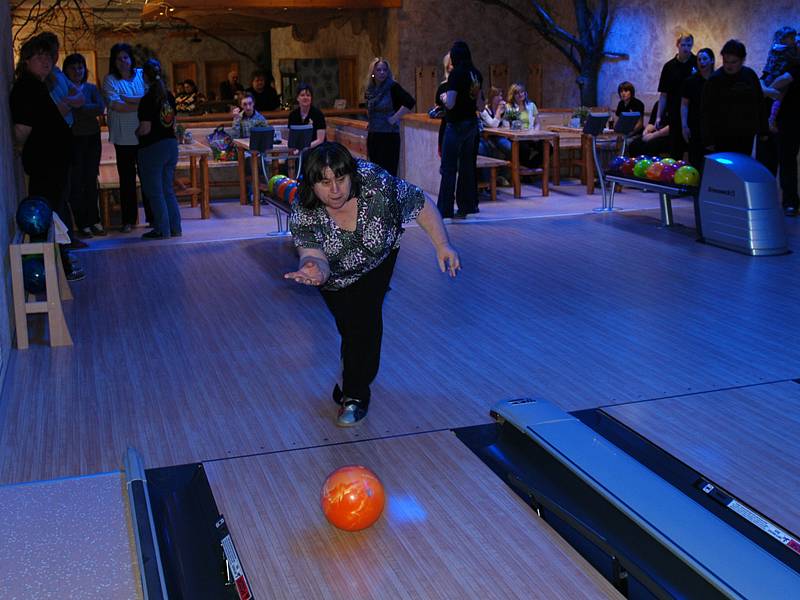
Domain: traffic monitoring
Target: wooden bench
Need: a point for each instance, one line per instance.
(487, 162)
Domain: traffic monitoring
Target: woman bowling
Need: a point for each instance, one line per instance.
(347, 224)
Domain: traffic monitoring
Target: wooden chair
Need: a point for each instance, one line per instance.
(487, 162)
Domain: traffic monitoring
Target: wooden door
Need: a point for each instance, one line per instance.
(498, 77)
(535, 84)
(348, 81)
(216, 71)
(427, 80)
(182, 71)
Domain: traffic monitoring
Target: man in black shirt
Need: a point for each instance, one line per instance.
(788, 122)
(670, 85)
(229, 87)
(266, 96)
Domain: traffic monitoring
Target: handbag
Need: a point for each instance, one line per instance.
(221, 144)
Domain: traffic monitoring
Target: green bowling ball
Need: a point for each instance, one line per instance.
(640, 169)
(687, 175)
(274, 181)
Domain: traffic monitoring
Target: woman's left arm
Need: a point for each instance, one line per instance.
(431, 222)
(143, 129)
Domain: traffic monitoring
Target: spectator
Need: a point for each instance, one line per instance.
(123, 88)
(732, 103)
(229, 87)
(787, 120)
(628, 102)
(691, 105)
(463, 99)
(387, 102)
(441, 92)
(245, 117)
(86, 149)
(652, 141)
(522, 112)
(308, 114)
(158, 153)
(40, 132)
(670, 84)
(492, 116)
(263, 90)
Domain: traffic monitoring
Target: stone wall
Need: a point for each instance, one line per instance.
(10, 189)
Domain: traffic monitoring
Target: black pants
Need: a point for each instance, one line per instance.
(358, 310)
(383, 149)
(126, 168)
(53, 186)
(83, 179)
(789, 146)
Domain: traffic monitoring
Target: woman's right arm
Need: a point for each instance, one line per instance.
(312, 269)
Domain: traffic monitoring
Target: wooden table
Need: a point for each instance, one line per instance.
(186, 152)
(528, 135)
(277, 152)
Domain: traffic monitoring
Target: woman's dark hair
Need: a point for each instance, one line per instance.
(460, 54)
(76, 59)
(316, 160)
(734, 47)
(626, 86)
(152, 71)
(191, 83)
(112, 59)
(32, 47)
(708, 51)
(304, 87)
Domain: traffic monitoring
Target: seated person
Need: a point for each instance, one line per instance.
(190, 100)
(245, 117)
(229, 87)
(265, 96)
(628, 102)
(492, 116)
(652, 141)
(520, 108)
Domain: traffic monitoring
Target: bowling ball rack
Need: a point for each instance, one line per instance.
(666, 192)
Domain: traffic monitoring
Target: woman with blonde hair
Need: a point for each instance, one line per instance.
(522, 110)
(386, 103)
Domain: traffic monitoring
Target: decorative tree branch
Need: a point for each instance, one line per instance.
(584, 51)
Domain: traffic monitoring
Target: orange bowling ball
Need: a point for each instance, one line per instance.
(352, 498)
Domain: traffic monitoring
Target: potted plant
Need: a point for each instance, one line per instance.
(579, 116)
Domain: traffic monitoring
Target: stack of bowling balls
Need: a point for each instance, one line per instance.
(33, 279)
(663, 170)
(34, 217)
(282, 188)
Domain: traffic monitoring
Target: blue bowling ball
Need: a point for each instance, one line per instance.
(616, 163)
(33, 273)
(34, 216)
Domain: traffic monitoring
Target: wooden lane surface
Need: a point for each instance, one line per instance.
(745, 440)
(278, 151)
(516, 136)
(450, 529)
(198, 351)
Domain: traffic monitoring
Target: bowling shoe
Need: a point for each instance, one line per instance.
(351, 413)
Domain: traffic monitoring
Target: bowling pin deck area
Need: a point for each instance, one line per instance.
(202, 354)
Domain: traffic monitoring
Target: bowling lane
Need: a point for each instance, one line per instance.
(745, 440)
(451, 528)
(68, 538)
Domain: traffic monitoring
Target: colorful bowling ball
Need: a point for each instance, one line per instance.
(667, 173)
(273, 181)
(33, 273)
(280, 187)
(352, 498)
(640, 169)
(687, 175)
(289, 192)
(616, 163)
(627, 167)
(34, 216)
(654, 171)
(668, 161)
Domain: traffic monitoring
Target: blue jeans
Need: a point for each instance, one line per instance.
(157, 164)
(459, 150)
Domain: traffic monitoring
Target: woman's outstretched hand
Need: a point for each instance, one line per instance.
(448, 259)
(308, 274)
